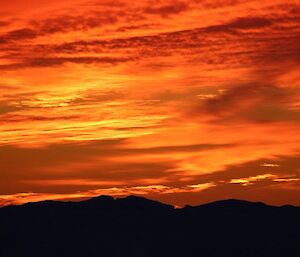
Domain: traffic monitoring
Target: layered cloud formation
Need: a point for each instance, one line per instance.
(184, 101)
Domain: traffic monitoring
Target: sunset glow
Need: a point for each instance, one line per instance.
(183, 101)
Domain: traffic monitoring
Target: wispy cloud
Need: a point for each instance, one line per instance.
(21, 198)
(181, 95)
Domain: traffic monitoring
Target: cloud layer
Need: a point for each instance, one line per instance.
(184, 101)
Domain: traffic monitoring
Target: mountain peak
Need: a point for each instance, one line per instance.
(236, 205)
(102, 199)
(131, 202)
(138, 202)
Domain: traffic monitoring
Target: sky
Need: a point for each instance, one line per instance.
(183, 101)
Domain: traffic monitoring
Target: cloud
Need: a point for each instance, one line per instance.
(103, 163)
(5, 108)
(21, 198)
(282, 168)
(277, 184)
(237, 74)
(252, 180)
(8, 87)
(18, 35)
(178, 148)
(244, 23)
(58, 61)
(17, 118)
(59, 24)
(67, 23)
(183, 43)
(175, 7)
(4, 23)
(187, 41)
(256, 101)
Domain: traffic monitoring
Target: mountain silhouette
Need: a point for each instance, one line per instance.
(138, 227)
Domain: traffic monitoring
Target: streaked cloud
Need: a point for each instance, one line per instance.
(21, 198)
(271, 165)
(250, 180)
(184, 101)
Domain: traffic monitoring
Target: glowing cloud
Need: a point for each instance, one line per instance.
(173, 99)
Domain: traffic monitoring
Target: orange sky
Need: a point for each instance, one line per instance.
(184, 101)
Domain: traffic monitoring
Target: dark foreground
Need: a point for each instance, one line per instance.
(137, 227)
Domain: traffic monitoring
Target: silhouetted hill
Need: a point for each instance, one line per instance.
(135, 226)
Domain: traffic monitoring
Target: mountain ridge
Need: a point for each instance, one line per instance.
(138, 227)
(133, 199)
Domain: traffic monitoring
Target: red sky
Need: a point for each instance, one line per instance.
(184, 101)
